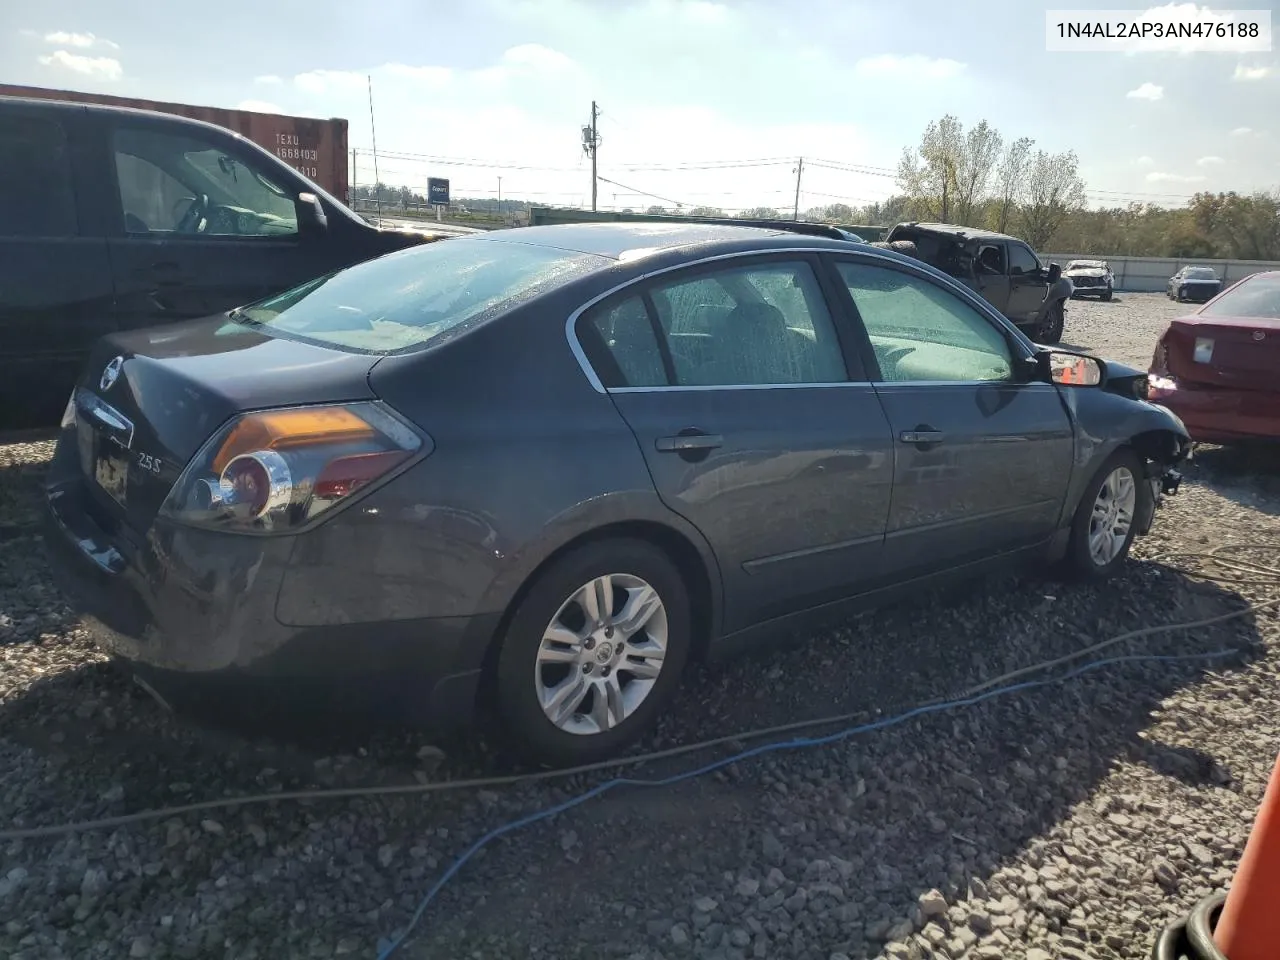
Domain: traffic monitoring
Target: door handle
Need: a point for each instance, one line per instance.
(921, 436)
(167, 273)
(692, 441)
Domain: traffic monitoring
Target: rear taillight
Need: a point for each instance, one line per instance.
(275, 471)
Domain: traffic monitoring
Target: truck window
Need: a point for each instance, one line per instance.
(1022, 260)
(180, 184)
(36, 196)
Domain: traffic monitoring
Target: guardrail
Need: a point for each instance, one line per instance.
(1151, 274)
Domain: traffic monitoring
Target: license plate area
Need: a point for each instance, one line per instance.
(105, 440)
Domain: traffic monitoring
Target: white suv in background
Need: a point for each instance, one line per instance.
(1090, 278)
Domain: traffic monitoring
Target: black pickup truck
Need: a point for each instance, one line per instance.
(1004, 270)
(113, 218)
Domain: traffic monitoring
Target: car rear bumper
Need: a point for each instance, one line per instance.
(1217, 415)
(1197, 294)
(192, 613)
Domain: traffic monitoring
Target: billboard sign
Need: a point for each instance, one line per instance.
(437, 190)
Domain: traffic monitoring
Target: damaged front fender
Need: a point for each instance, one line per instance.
(1106, 421)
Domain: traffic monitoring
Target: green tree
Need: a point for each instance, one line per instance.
(1054, 191)
(706, 212)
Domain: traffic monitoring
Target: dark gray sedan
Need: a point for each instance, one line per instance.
(1197, 284)
(543, 468)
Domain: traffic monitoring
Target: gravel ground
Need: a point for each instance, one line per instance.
(1066, 821)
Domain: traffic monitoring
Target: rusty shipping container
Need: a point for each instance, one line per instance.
(315, 148)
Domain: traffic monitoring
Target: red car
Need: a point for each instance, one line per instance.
(1218, 369)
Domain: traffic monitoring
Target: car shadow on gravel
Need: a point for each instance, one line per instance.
(851, 833)
(1246, 475)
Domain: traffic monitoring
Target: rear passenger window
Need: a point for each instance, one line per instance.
(36, 196)
(746, 326)
(626, 333)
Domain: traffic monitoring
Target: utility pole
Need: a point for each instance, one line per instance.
(499, 198)
(590, 146)
(373, 131)
(799, 173)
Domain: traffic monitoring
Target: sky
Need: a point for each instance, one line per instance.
(701, 101)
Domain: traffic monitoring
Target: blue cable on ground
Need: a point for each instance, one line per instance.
(387, 947)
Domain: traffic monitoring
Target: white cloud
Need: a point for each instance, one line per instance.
(1145, 162)
(517, 64)
(1251, 73)
(105, 68)
(323, 81)
(269, 79)
(434, 77)
(1148, 91)
(537, 56)
(1242, 131)
(1173, 178)
(912, 66)
(702, 11)
(1209, 161)
(84, 41)
(258, 106)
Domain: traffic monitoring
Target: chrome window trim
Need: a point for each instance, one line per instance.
(954, 286)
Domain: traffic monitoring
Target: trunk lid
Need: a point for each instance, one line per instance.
(1245, 351)
(149, 399)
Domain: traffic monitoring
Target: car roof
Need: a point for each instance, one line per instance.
(628, 240)
(951, 229)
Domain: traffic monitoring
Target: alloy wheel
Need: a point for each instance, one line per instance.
(601, 654)
(1112, 516)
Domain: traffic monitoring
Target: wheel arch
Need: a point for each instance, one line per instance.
(694, 562)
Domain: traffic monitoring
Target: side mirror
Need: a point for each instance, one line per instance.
(311, 215)
(1055, 271)
(1073, 369)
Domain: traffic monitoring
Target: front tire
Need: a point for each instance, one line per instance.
(1105, 520)
(593, 652)
(1107, 295)
(1052, 325)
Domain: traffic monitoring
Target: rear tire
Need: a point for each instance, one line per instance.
(596, 701)
(1117, 491)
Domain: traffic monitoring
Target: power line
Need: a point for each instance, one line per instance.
(645, 193)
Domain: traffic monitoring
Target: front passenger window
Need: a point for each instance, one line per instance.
(1021, 260)
(921, 332)
(175, 184)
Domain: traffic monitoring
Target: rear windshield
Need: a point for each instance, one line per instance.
(1084, 265)
(1257, 298)
(401, 301)
(1200, 273)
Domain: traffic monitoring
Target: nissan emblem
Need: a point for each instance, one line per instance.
(111, 373)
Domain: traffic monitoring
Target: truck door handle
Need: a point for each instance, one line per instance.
(921, 435)
(689, 441)
(168, 273)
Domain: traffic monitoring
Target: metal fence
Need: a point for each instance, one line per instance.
(1151, 274)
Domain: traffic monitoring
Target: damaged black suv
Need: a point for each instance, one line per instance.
(1003, 270)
